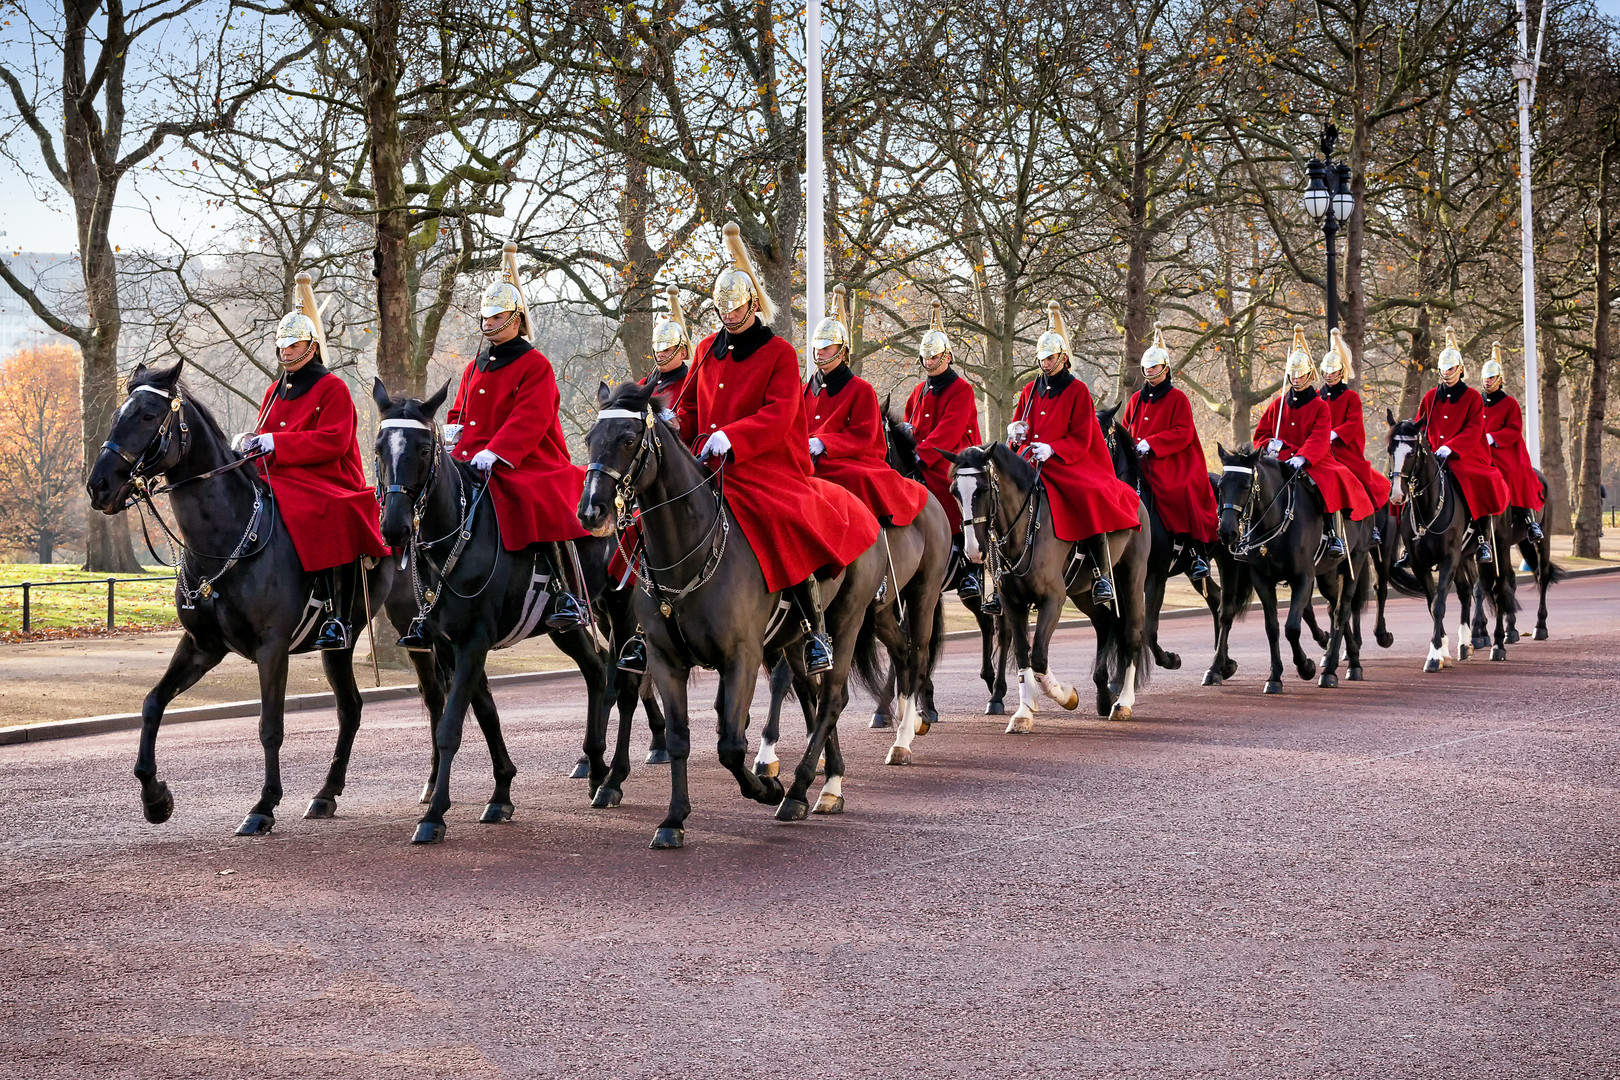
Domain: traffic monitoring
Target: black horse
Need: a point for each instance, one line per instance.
(240, 587)
(1514, 532)
(1271, 522)
(473, 596)
(1437, 532)
(702, 601)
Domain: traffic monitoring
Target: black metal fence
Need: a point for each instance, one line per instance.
(28, 588)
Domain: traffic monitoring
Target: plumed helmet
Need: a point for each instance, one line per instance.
(303, 322)
(504, 293)
(1056, 338)
(1299, 357)
(1492, 368)
(1450, 356)
(739, 283)
(1157, 355)
(1337, 358)
(935, 341)
(670, 330)
(834, 329)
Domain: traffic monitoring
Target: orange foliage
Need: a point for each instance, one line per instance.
(41, 487)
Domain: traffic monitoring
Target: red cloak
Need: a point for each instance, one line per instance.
(1348, 434)
(1174, 464)
(795, 523)
(847, 422)
(1504, 422)
(1304, 430)
(512, 408)
(946, 419)
(1085, 495)
(315, 472)
(1457, 420)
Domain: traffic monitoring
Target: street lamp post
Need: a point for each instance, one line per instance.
(1328, 200)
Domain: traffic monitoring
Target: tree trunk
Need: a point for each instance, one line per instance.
(1416, 379)
(392, 215)
(638, 301)
(45, 548)
(1553, 466)
(1589, 510)
(1138, 321)
(1353, 310)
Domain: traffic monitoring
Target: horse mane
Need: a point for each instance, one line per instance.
(1014, 466)
(903, 442)
(629, 395)
(144, 376)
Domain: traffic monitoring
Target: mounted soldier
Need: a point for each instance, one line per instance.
(1297, 428)
(1504, 433)
(1453, 420)
(741, 409)
(944, 419)
(1348, 433)
(1159, 417)
(507, 423)
(846, 427)
(307, 429)
(1057, 429)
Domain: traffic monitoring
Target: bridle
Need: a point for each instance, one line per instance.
(1399, 476)
(996, 548)
(1249, 523)
(154, 457)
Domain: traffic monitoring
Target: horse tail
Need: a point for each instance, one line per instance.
(1406, 582)
(868, 667)
(1547, 571)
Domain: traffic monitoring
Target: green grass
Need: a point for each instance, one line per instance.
(141, 605)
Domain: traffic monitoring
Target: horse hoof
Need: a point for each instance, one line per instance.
(1307, 670)
(996, 707)
(1512, 637)
(772, 795)
(582, 770)
(923, 725)
(1212, 678)
(1021, 724)
(606, 798)
(1385, 639)
(1446, 661)
(497, 812)
(767, 768)
(256, 825)
(1172, 661)
(1499, 653)
(1431, 665)
(880, 720)
(1541, 633)
(657, 757)
(792, 810)
(1355, 675)
(898, 755)
(1273, 686)
(428, 832)
(666, 839)
(1073, 702)
(1464, 651)
(1121, 712)
(931, 717)
(157, 811)
(320, 809)
(829, 804)
(1328, 680)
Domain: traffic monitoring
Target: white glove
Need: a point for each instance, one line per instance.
(717, 446)
(1491, 439)
(1040, 451)
(1142, 446)
(1296, 462)
(452, 435)
(817, 446)
(1274, 447)
(267, 443)
(668, 416)
(485, 460)
(1443, 452)
(241, 442)
(1332, 435)
(1016, 431)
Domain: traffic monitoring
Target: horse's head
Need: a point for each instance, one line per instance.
(1239, 474)
(147, 437)
(902, 445)
(1407, 449)
(408, 453)
(973, 483)
(624, 453)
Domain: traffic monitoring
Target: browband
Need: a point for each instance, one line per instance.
(969, 472)
(1238, 468)
(620, 414)
(413, 424)
(151, 390)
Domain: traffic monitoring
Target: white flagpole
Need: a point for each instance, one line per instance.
(1524, 70)
(815, 256)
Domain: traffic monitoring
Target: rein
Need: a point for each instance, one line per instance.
(1420, 530)
(996, 550)
(1248, 524)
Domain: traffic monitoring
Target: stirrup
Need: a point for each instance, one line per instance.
(1102, 592)
(334, 636)
(1403, 558)
(1377, 537)
(1335, 547)
(991, 604)
(415, 638)
(633, 657)
(1484, 555)
(968, 588)
(564, 613)
(1200, 568)
(818, 653)
(1535, 531)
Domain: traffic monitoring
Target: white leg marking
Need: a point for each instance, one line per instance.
(767, 753)
(1127, 692)
(834, 786)
(965, 487)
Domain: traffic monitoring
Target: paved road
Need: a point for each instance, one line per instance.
(1414, 876)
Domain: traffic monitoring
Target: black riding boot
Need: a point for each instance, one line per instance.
(1102, 590)
(818, 651)
(1330, 529)
(967, 581)
(335, 633)
(1532, 525)
(564, 613)
(1200, 562)
(633, 657)
(415, 638)
(1482, 528)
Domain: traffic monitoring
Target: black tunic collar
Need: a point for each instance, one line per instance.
(1152, 394)
(1053, 385)
(1452, 394)
(830, 382)
(741, 346)
(938, 384)
(1298, 399)
(297, 384)
(1332, 393)
(664, 380)
(1496, 395)
(495, 357)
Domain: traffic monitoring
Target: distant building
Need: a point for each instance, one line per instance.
(56, 277)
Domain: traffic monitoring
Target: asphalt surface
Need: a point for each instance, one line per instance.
(1411, 876)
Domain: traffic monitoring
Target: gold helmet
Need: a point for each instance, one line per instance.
(504, 293)
(670, 330)
(1056, 338)
(303, 322)
(1492, 368)
(1337, 358)
(1157, 355)
(1299, 357)
(1450, 356)
(935, 341)
(739, 283)
(834, 329)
